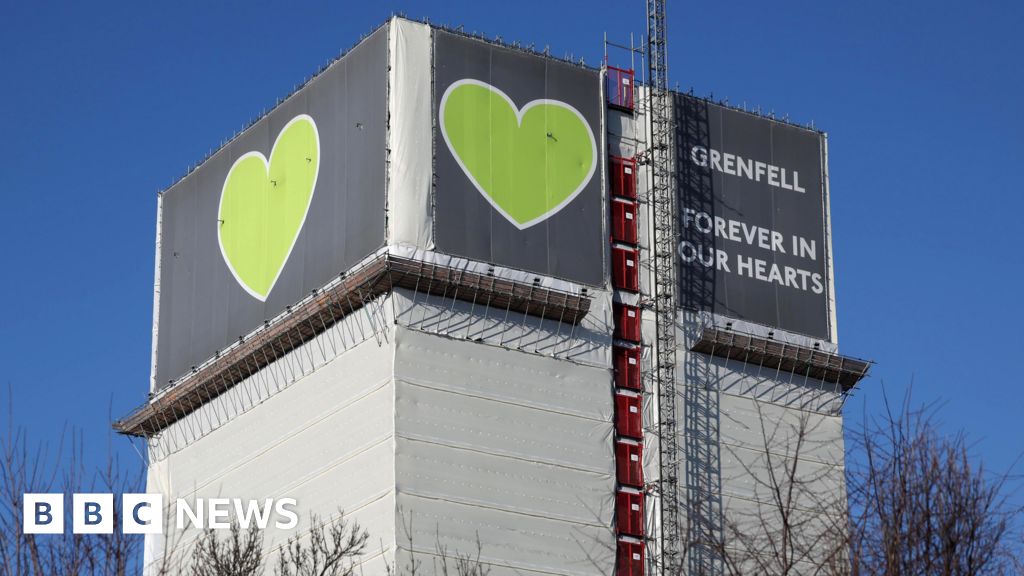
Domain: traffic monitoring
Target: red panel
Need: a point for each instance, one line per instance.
(619, 86)
(630, 559)
(623, 177)
(626, 268)
(628, 416)
(629, 514)
(627, 367)
(627, 322)
(629, 464)
(624, 222)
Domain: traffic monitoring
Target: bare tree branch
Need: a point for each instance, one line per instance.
(240, 554)
(331, 551)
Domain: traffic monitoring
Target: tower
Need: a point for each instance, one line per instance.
(395, 295)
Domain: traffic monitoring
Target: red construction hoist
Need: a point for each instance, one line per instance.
(658, 295)
(627, 350)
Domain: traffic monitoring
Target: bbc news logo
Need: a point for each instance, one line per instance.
(144, 513)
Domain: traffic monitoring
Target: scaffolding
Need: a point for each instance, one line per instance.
(663, 297)
(812, 363)
(350, 292)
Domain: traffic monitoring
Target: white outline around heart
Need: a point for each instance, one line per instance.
(520, 112)
(266, 167)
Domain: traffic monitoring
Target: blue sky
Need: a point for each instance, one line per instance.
(102, 106)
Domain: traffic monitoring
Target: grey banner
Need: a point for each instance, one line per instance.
(204, 305)
(566, 238)
(751, 218)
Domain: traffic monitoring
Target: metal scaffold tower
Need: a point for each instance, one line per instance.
(664, 289)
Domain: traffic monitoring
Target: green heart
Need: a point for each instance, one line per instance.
(263, 206)
(528, 163)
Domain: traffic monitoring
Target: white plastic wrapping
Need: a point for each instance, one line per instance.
(325, 441)
(512, 447)
(156, 291)
(410, 167)
(741, 425)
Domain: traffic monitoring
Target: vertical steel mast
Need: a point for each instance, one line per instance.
(664, 289)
